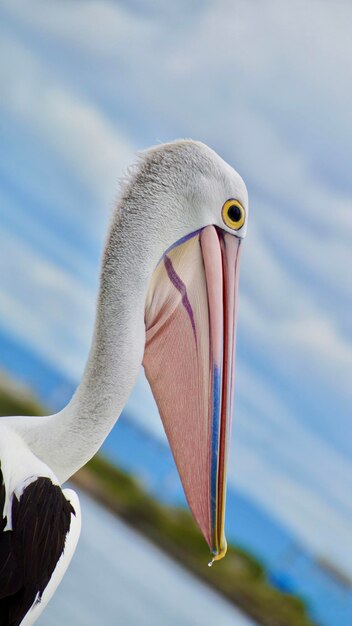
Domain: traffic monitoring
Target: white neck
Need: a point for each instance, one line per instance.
(67, 440)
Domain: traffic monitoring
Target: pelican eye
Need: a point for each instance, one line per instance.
(233, 214)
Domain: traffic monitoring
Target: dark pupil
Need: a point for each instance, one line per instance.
(234, 212)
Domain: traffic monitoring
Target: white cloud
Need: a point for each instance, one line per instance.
(290, 470)
(44, 306)
(90, 147)
(312, 518)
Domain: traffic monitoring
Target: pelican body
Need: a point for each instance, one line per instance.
(167, 301)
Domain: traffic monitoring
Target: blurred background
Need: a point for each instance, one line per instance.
(83, 85)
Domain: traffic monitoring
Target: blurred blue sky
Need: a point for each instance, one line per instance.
(85, 83)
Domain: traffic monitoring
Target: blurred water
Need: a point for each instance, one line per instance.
(117, 578)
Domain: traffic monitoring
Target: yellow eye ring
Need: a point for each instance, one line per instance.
(233, 214)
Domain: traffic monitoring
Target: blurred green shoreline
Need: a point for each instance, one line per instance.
(239, 577)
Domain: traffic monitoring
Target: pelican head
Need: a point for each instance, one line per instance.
(193, 209)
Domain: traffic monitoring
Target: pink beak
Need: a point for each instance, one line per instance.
(189, 361)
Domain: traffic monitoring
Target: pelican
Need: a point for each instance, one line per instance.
(167, 300)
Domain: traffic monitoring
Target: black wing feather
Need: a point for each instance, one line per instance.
(29, 552)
